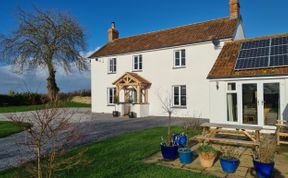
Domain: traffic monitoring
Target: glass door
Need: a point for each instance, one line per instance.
(271, 101)
(250, 103)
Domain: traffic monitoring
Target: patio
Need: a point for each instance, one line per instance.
(245, 169)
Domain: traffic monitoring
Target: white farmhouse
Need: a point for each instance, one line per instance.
(197, 67)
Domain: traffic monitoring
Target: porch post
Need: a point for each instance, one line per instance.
(146, 95)
(138, 94)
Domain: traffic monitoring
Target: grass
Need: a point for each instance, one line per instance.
(66, 104)
(121, 156)
(8, 128)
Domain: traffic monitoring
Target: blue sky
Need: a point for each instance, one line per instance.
(261, 17)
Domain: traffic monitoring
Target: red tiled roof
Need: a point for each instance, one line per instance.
(225, 63)
(205, 31)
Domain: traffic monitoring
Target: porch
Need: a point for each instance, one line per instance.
(132, 95)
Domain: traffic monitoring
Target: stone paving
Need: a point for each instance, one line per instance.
(245, 169)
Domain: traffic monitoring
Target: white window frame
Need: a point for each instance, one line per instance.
(112, 67)
(113, 95)
(138, 68)
(231, 91)
(181, 65)
(179, 96)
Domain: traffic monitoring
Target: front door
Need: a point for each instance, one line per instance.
(261, 103)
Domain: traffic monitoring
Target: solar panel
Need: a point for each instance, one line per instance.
(254, 52)
(263, 53)
(280, 60)
(255, 44)
(279, 41)
(250, 63)
(283, 49)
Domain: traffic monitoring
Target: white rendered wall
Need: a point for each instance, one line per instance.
(158, 69)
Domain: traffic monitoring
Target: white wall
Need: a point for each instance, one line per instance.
(158, 69)
(240, 33)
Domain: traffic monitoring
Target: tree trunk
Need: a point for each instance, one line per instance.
(39, 170)
(51, 83)
(169, 129)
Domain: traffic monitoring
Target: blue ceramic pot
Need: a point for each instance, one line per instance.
(263, 170)
(229, 165)
(169, 152)
(185, 155)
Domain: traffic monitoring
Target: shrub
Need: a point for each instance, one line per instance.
(19, 99)
(266, 150)
(230, 152)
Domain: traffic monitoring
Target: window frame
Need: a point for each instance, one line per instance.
(181, 58)
(139, 56)
(180, 95)
(113, 66)
(232, 92)
(113, 96)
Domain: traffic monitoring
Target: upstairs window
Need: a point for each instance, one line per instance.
(180, 58)
(111, 93)
(112, 65)
(179, 95)
(137, 63)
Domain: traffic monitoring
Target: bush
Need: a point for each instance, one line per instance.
(70, 95)
(19, 99)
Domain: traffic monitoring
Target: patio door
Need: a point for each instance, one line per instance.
(260, 103)
(250, 103)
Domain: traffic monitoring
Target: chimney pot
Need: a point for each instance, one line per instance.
(113, 33)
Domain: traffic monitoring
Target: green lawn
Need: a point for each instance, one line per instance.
(68, 104)
(8, 128)
(121, 156)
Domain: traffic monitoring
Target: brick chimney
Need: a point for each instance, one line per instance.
(234, 9)
(113, 33)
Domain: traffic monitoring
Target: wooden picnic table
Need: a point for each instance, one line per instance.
(250, 133)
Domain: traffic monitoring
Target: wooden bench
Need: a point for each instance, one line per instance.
(212, 130)
(281, 131)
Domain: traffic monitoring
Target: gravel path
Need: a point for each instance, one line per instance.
(100, 126)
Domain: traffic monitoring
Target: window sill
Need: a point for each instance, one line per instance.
(179, 107)
(137, 70)
(110, 104)
(180, 67)
(111, 73)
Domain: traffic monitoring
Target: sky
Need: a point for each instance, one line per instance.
(260, 18)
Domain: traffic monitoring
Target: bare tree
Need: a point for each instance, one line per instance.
(52, 132)
(45, 39)
(166, 104)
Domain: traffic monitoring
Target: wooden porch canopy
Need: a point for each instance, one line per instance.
(133, 81)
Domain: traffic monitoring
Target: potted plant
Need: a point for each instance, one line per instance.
(132, 115)
(207, 155)
(169, 148)
(185, 155)
(229, 158)
(263, 158)
(116, 113)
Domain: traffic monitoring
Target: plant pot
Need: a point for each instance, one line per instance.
(207, 159)
(229, 165)
(132, 115)
(263, 170)
(116, 113)
(169, 152)
(185, 155)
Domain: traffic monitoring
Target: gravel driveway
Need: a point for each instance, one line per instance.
(101, 126)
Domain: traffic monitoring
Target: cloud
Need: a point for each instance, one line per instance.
(35, 80)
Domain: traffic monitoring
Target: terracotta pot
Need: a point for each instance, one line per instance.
(207, 159)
